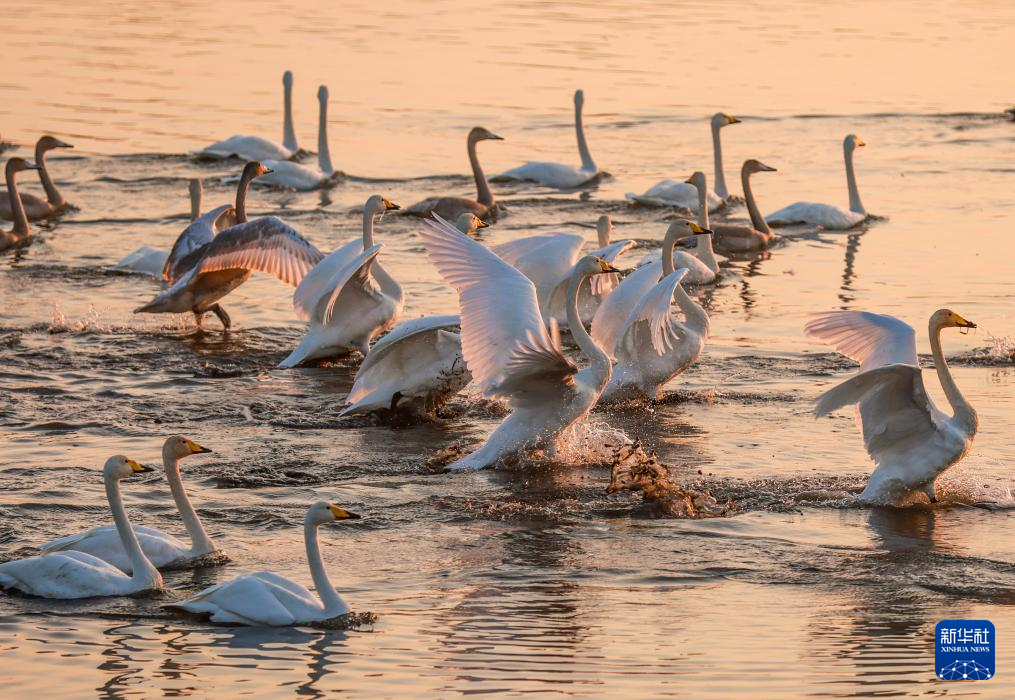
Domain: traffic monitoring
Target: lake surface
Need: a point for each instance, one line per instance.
(537, 582)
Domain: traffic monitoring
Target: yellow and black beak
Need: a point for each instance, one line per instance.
(482, 224)
(389, 205)
(698, 230)
(196, 449)
(963, 323)
(731, 119)
(342, 514)
(605, 266)
(138, 468)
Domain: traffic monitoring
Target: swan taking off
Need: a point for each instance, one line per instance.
(37, 209)
(264, 598)
(485, 207)
(256, 147)
(348, 297)
(67, 575)
(911, 441)
(20, 234)
(508, 349)
(828, 216)
(285, 173)
(558, 175)
(105, 543)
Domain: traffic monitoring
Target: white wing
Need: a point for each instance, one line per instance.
(317, 285)
(604, 284)
(353, 277)
(654, 309)
(198, 234)
(405, 331)
(266, 244)
(611, 318)
(561, 245)
(504, 339)
(873, 340)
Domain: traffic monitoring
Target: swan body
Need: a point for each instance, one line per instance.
(20, 234)
(484, 206)
(741, 238)
(508, 349)
(161, 549)
(828, 216)
(415, 368)
(348, 297)
(701, 264)
(558, 175)
(911, 441)
(36, 208)
(266, 599)
(296, 176)
(256, 147)
(71, 574)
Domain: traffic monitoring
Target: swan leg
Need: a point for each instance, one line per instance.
(929, 490)
(223, 316)
(198, 317)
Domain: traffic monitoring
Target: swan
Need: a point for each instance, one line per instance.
(211, 271)
(285, 173)
(911, 441)
(161, 549)
(828, 216)
(469, 223)
(37, 208)
(256, 147)
(741, 238)
(67, 575)
(678, 193)
(701, 265)
(348, 297)
(264, 598)
(414, 369)
(508, 349)
(563, 177)
(20, 234)
(544, 258)
(485, 207)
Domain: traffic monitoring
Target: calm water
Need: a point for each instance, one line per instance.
(541, 583)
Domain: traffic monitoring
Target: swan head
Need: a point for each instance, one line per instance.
(322, 93)
(178, 447)
(479, 133)
(378, 204)
(756, 166)
(946, 318)
(721, 119)
(469, 223)
(48, 143)
(323, 512)
(17, 165)
(119, 467)
(287, 78)
(591, 265)
(686, 227)
(254, 169)
(579, 98)
(852, 142)
(698, 180)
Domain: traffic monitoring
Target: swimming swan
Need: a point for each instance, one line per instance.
(741, 238)
(161, 549)
(37, 208)
(285, 173)
(701, 264)
(348, 297)
(21, 234)
(67, 575)
(828, 216)
(256, 147)
(485, 207)
(558, 175)
(508, 349)
(264, 598)
(911, 441)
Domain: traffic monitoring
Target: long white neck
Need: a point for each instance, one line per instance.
(599, 360)
(720, 179)
(964, 413)
(288, 132)
(196, 191)
(669, 242)
(142, 569)
(483, 193)
(323, 153)
(17, 206)
(855, 205)
(368, 227)
(757, 220)
(603, 230)
(52, 194)
(697, 319)
(329, 596)
(199, 540)
(703, 249)
(583, 148)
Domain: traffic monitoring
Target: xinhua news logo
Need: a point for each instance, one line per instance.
(964, 650)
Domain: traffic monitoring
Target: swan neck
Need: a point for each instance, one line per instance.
(323, 152)
(720, 178)
(17, 206)
(703, 207)
(757, 220)
(697, 319)
(961, 408)
(329, 596)
(52, 194)
(603, 234)
(195, 203)
(483, 193)
(142, 569)
(288, 132)
(855, 205)
(241, 197)
(368, 228)
(583, 147)
(600, 361)
(199, 540)
(669, 243)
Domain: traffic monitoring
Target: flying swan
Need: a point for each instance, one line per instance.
(828, 216)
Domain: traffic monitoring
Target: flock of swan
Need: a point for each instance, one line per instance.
(634, 325)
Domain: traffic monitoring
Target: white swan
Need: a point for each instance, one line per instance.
(285, 173)
(414, 369)
(701, 264)
(37, 208)
(20, 234)
(911, 441)
(558, 175)
(544, 258)
(348, 297)
(161, 549)
(828, 216)
(256, 147)
(484, 206)
(264, 598)
(508, 349)
(67, 575)
(211, 271)
(678, 193)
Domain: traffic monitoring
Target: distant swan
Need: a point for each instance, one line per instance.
(485, 207)
(285, 173)
(161, 549)
(741, 238)
(36, 208)
(69, 575)
(264, 598)
(558, 175)
(256, 147)
(348, 297)
(21, 233)
(828, 216)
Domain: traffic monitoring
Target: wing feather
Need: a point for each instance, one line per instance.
(654, 309)
(873, 340)
(261, 245)
(610, 320)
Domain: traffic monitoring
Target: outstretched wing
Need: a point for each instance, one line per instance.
(266, 244)
(198, 234)
(317, 285)
(873, 340)
(610, 321)
(513, 251)
(504, 339)
(654, 309)
(353, 276)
